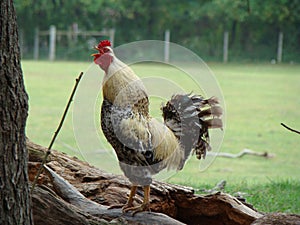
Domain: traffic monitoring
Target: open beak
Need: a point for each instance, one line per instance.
(96, 54)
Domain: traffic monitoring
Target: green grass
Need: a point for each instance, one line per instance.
(258, 98)
(276, 196)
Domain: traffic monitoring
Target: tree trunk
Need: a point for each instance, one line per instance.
(14, 190)
(95, 190)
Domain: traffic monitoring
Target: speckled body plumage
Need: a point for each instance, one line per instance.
(134, 155)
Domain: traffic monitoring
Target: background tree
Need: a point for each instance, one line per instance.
(14, 194)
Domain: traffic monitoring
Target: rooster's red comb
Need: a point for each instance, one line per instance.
(103, 44)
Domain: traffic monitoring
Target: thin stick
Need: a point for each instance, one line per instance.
(282, 124)
(56, 132)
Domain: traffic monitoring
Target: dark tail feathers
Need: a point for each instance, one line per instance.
(190, 117)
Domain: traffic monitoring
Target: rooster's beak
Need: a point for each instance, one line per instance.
(96, 48)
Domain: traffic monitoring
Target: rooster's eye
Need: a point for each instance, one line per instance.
(105, 50)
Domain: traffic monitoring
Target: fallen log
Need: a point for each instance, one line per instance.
(49, 209)
(89, 191)
(75, 198)
(278, 218)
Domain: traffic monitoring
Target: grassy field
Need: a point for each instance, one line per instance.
(258, 98)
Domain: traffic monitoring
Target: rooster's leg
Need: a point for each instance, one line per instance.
(145, 205)
(129, 203)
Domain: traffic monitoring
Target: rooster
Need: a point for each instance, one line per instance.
(143, 145)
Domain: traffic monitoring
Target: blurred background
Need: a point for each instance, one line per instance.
(216, 30)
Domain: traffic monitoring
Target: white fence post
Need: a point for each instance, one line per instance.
(52, 40)
(75, 32)
(112, 36)
(167, 46)
(36, 44)
(279, 48)
(225, 46)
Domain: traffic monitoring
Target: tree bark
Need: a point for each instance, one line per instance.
(14, 194)
(96, 190)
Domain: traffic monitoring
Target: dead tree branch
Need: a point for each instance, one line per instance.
(290, 129)
(241, 154)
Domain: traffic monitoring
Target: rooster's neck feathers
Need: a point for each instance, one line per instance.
(121, 86)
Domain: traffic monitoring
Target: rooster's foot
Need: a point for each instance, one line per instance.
(124, 207)
(141, 208)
